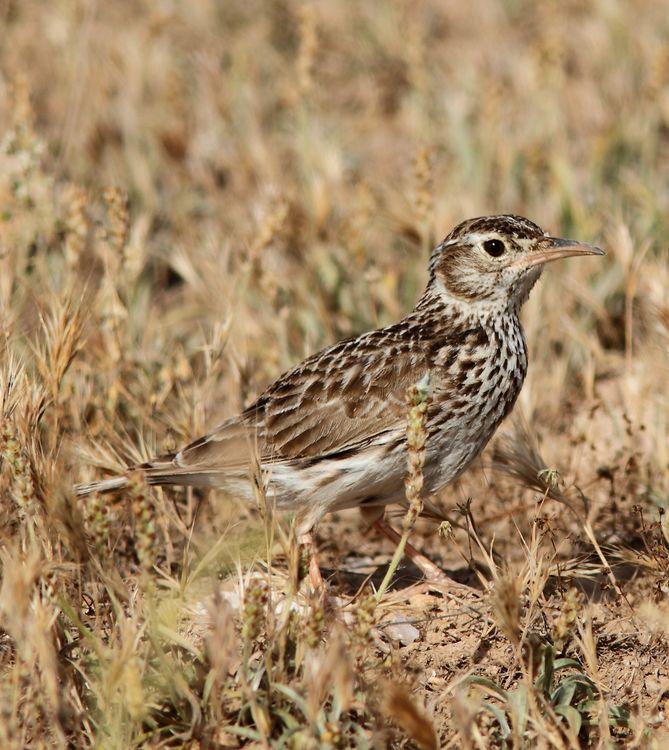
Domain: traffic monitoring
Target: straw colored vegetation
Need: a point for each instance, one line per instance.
(194, 196)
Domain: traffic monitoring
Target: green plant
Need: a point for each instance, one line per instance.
(560, 691)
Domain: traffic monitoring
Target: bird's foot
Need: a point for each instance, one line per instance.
(434, 575)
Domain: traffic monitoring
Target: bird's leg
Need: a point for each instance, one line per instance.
(431, 571)
(306, 541)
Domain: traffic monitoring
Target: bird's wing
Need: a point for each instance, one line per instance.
(338, 399)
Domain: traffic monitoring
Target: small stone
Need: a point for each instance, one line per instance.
(402, 630)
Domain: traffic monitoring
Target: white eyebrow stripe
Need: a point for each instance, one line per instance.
(479, 237)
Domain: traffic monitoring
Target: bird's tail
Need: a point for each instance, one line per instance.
(102, 485)
(161, 471)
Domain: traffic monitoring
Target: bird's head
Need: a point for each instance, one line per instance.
(497, 259)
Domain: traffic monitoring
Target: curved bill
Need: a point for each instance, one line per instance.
(554, 248)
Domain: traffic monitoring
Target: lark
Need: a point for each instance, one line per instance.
(330, 433)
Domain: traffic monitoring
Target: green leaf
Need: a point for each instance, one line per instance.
(589, 706)
(247, 732)
(290, 722)
(545, 676)
(582, 681)
(485, 682)
(208, 684)
(285, 738)
(292, 695)
(566, 662)
(619, 715)
(497, 712)
(518, 708)
(563, 693)
(573, 717)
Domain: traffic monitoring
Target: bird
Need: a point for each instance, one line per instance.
(330, 433)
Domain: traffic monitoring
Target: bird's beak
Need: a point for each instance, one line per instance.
(554, 248)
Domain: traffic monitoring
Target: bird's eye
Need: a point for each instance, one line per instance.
(494, 248)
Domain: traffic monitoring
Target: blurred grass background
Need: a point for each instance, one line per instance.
(194, 196)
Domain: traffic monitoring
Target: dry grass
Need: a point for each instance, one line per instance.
(192, 198)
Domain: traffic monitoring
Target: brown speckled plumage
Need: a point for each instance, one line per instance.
(329, 433)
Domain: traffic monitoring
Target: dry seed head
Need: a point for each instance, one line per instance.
(144, 516)
(134, 253)
(445, 530)
(331, 735)
(20, 574)
(76, 224)
(254, 611)
(270, 228)
(328, 673)
(39, 634)
(563, 626)
(134, 699)
(24, 185)
(365, 615)
(299, 560)
(220, 641)
(30, 622)
(52, 581)
(358, 223)
(10, 734)
(401, 708)
(20, 139)
(118, 215)
(63, 332)
(417, 399)
(341, 671)
(12, 385)
(16, 457)
(507, 606)
(314, 626)
(551, 477)
(113, 315)
(517, 455)
(97, 522)
(112, 310)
